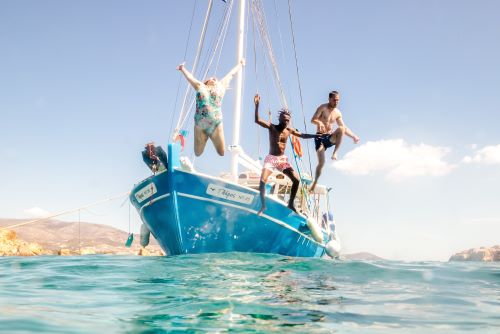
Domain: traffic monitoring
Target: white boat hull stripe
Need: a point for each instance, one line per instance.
(274, 220)
(152, 201)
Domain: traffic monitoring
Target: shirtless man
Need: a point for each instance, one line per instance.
(276, 159)
(323, 118)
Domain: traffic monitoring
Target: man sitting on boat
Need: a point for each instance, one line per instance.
(323, 118)
(155, 157)
(208, 115)
(276, 159)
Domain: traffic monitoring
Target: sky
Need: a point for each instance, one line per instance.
(85, 84)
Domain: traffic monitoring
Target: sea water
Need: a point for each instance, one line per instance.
(243, 293)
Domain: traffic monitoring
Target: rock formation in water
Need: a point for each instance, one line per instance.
(485, 254)
(10, 245)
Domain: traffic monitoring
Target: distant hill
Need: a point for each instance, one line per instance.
(54, 236)
(364, 256)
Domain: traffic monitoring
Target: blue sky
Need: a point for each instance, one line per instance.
(84, 84)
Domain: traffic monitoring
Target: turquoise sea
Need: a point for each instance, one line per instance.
(244, 293)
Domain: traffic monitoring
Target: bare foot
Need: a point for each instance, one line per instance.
(261, 210)
(312, 186)
(334, 156)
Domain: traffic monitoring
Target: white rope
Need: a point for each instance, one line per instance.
(279, 31)
(218, 43)
(298, 80)
(180, 76)
(198, 52)
(264, 63)
(66, 212)
(267, 45)
(265, 38)
(215, 49)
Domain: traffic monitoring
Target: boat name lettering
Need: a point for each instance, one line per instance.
(146, 192)
(229, 194)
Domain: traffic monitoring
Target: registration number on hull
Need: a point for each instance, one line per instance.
(229, 194)
(145, 192)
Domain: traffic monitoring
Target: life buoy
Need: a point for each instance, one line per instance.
(297, 146)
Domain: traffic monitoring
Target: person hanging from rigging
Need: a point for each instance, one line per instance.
(325, 116)
(276, 159)
(208, 115)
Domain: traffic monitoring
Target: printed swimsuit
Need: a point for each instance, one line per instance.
(276, 162)
(208, 107)
(323, 140)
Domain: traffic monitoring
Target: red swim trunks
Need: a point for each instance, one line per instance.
(273, 162)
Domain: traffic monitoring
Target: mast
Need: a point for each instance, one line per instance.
(238, 92)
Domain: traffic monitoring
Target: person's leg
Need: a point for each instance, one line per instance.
(321, 162)
(262, 188)
(336, 139)
(200, 140)
(162, 155)
(217, 138)
(295, 186)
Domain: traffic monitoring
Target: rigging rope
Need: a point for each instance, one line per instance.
(65, 212)
(298, 80)
(180, 76)
(198, 52)
(254, 37)
(267, 45)
(265, 71)
(279, 31)
(266, 40)
(216, 46)
(220, 36)
(303, 187)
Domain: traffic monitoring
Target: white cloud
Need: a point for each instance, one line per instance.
(489, 155)
(467, 159)
(398, 159)
(36, 212)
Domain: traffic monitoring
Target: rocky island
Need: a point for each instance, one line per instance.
(484, 254)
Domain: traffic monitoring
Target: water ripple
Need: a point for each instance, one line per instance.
(240, 292)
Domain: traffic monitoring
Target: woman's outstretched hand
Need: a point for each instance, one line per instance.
(181, 66)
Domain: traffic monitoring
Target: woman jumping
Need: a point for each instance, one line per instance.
(208, 116)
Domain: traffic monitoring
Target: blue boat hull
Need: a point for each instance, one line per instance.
(193, 213)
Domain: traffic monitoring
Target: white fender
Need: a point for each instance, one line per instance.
(333, 247)
(315, 230)
(145, 234)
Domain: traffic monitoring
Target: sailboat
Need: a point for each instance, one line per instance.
(189, 212)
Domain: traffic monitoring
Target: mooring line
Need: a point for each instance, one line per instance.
(64, 212)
